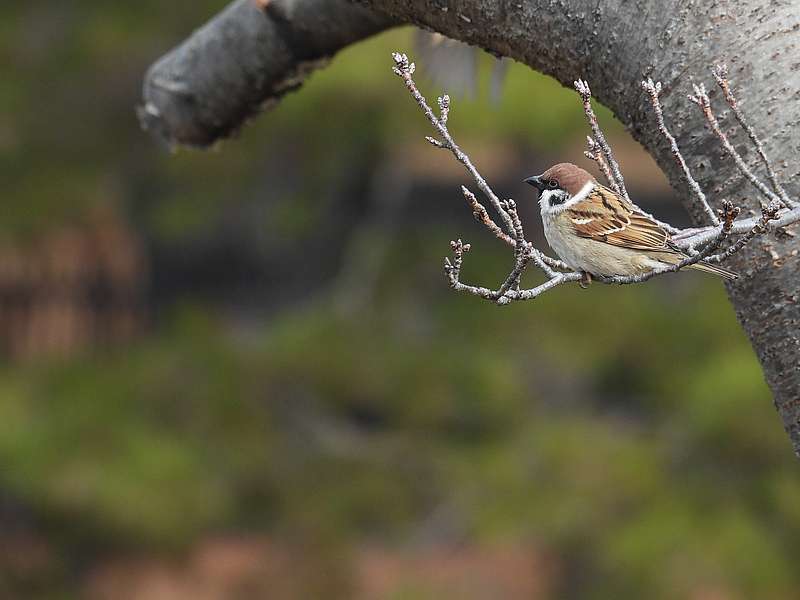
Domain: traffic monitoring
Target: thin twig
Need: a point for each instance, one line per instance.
(530, 294)
(452, 269)
(405, 69)
(554, 262)
(526, 251)
(720, 74)
(506, 209)
(513, 279)
(702, 100)
(617, 181)
(595, 153)
(768, 213)
(482, 216)
(654, 89)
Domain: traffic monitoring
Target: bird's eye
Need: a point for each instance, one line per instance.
(552, 183)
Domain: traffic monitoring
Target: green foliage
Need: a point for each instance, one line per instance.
(354, 427)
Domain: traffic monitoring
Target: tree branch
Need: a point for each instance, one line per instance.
(720, 74)
(701, 235)
(601, 153)
(243, 61)
(701, 99)
(524, 251)
(610, 164)
(653, 90)
(405, 69)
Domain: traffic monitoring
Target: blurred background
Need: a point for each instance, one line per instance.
(240, 373)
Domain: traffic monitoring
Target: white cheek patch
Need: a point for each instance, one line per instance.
(546, 195)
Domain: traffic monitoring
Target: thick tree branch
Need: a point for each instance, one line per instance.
(243, 61)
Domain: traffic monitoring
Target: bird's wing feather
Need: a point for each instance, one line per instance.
(605, 217)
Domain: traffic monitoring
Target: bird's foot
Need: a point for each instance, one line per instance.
(586, 280)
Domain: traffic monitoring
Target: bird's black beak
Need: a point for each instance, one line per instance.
(535, 181)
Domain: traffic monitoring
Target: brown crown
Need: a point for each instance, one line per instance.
(570, 178)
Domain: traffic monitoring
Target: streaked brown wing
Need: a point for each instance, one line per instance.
(605, 217)
(644, 232)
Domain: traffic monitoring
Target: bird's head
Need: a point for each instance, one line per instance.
(561, 184)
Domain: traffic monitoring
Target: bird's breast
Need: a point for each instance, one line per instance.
(592, 256)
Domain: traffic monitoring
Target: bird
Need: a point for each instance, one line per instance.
(599, 233)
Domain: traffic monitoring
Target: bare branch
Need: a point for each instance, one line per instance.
(768, 213)
(444, 108)
(554, 262)
(434, 142)
(405, 69)
(243, 62)
(530, 294)
(514, 277)
(653, 90)
(720, 74)
(595, 153)
(702, 100)
(482, 216)
(710, 239)
(617, 181)
(503, 295)
(696, 236)
(524, 252)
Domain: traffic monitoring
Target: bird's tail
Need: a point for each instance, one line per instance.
(714, 269)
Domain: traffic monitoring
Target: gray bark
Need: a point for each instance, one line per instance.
(243, 61)
(614, 44)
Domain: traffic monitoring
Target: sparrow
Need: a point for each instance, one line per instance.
(597, 232)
